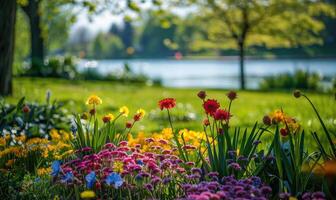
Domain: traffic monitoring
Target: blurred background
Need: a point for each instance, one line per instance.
(145, 50)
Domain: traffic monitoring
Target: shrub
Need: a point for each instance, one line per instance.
(300, 79)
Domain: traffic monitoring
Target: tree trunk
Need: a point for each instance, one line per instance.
(37, 43)
(242, 63)
(7, 36)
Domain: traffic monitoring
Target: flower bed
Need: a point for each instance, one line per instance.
(101, 160)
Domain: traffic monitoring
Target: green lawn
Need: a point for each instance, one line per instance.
(250, 106)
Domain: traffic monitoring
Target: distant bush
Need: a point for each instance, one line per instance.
(126, 75)
(300, 79)
(58, 67)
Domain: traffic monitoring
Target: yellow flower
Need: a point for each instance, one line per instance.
(124, 111)
(43, 171)
(2, 141)
(94, 100)
(292, 198)
(141, 112)
(278, 116)
(54, 135)
(87, 194)
(118, 166)
(107, 118)
(7, 136)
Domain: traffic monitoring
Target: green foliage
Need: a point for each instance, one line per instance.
(91, 134)
(126, 76)
(294, 164)
(271, 24)
(300, 79)
(163, 27)
(106, 46)
(58, 67)
(31, 118)
(328, 152)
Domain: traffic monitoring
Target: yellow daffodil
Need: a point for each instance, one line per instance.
(94, 100)
(124, 111)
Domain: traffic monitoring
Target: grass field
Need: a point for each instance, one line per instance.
(250, 106)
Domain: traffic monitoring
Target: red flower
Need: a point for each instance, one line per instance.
(167, 103)
(210, 106)
(283, 132)
(222, 114)
(232, 95)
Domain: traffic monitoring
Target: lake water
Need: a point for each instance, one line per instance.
(212, 73)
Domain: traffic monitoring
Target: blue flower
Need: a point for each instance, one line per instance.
(114, 179)
(139, 162)
(138, 177)
(90, 179)
(68, 177)
(55, 167)
(73, 128)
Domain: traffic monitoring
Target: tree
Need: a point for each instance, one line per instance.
(31, 8)
(244, 23)
(158, 35)
(7, 33)
(127, 34)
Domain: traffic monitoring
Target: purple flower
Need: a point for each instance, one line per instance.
(235, 166)
(196, 170)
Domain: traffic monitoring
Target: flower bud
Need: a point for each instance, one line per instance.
(26, 109)
(267, 120)
(283, 132)
(128, 124)
(232, 95)
(201, 94)
(297, 93)
(93, 111)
